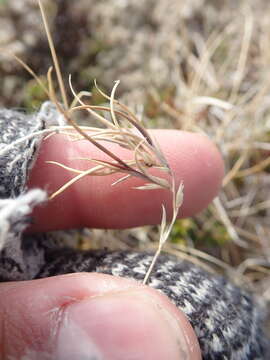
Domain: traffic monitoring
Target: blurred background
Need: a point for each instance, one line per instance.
(197, 65)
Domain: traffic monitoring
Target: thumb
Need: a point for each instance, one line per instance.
(83, 316)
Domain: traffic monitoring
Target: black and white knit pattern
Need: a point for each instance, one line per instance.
(15, 204)
(15, 163)
(227, 320)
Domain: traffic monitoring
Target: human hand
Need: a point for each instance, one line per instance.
(82, 316)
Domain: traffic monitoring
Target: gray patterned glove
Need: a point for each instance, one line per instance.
(226, 319)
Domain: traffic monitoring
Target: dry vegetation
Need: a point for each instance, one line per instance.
(202, 66)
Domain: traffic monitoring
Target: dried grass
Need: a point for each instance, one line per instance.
(145, 149)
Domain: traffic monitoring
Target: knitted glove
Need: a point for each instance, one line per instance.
(226, 319)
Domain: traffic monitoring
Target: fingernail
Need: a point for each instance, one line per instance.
(120, 326)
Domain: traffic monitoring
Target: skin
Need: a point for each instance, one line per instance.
(65, 317)
(93, 202)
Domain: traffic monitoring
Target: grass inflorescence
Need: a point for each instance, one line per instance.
(122, 128)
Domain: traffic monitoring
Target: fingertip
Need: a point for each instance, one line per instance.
(71, 316)
(197, 162)
(93, 201)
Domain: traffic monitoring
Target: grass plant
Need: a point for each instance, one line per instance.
(123, 128)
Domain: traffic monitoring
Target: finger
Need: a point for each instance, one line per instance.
(94, 202)
(84, 315)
